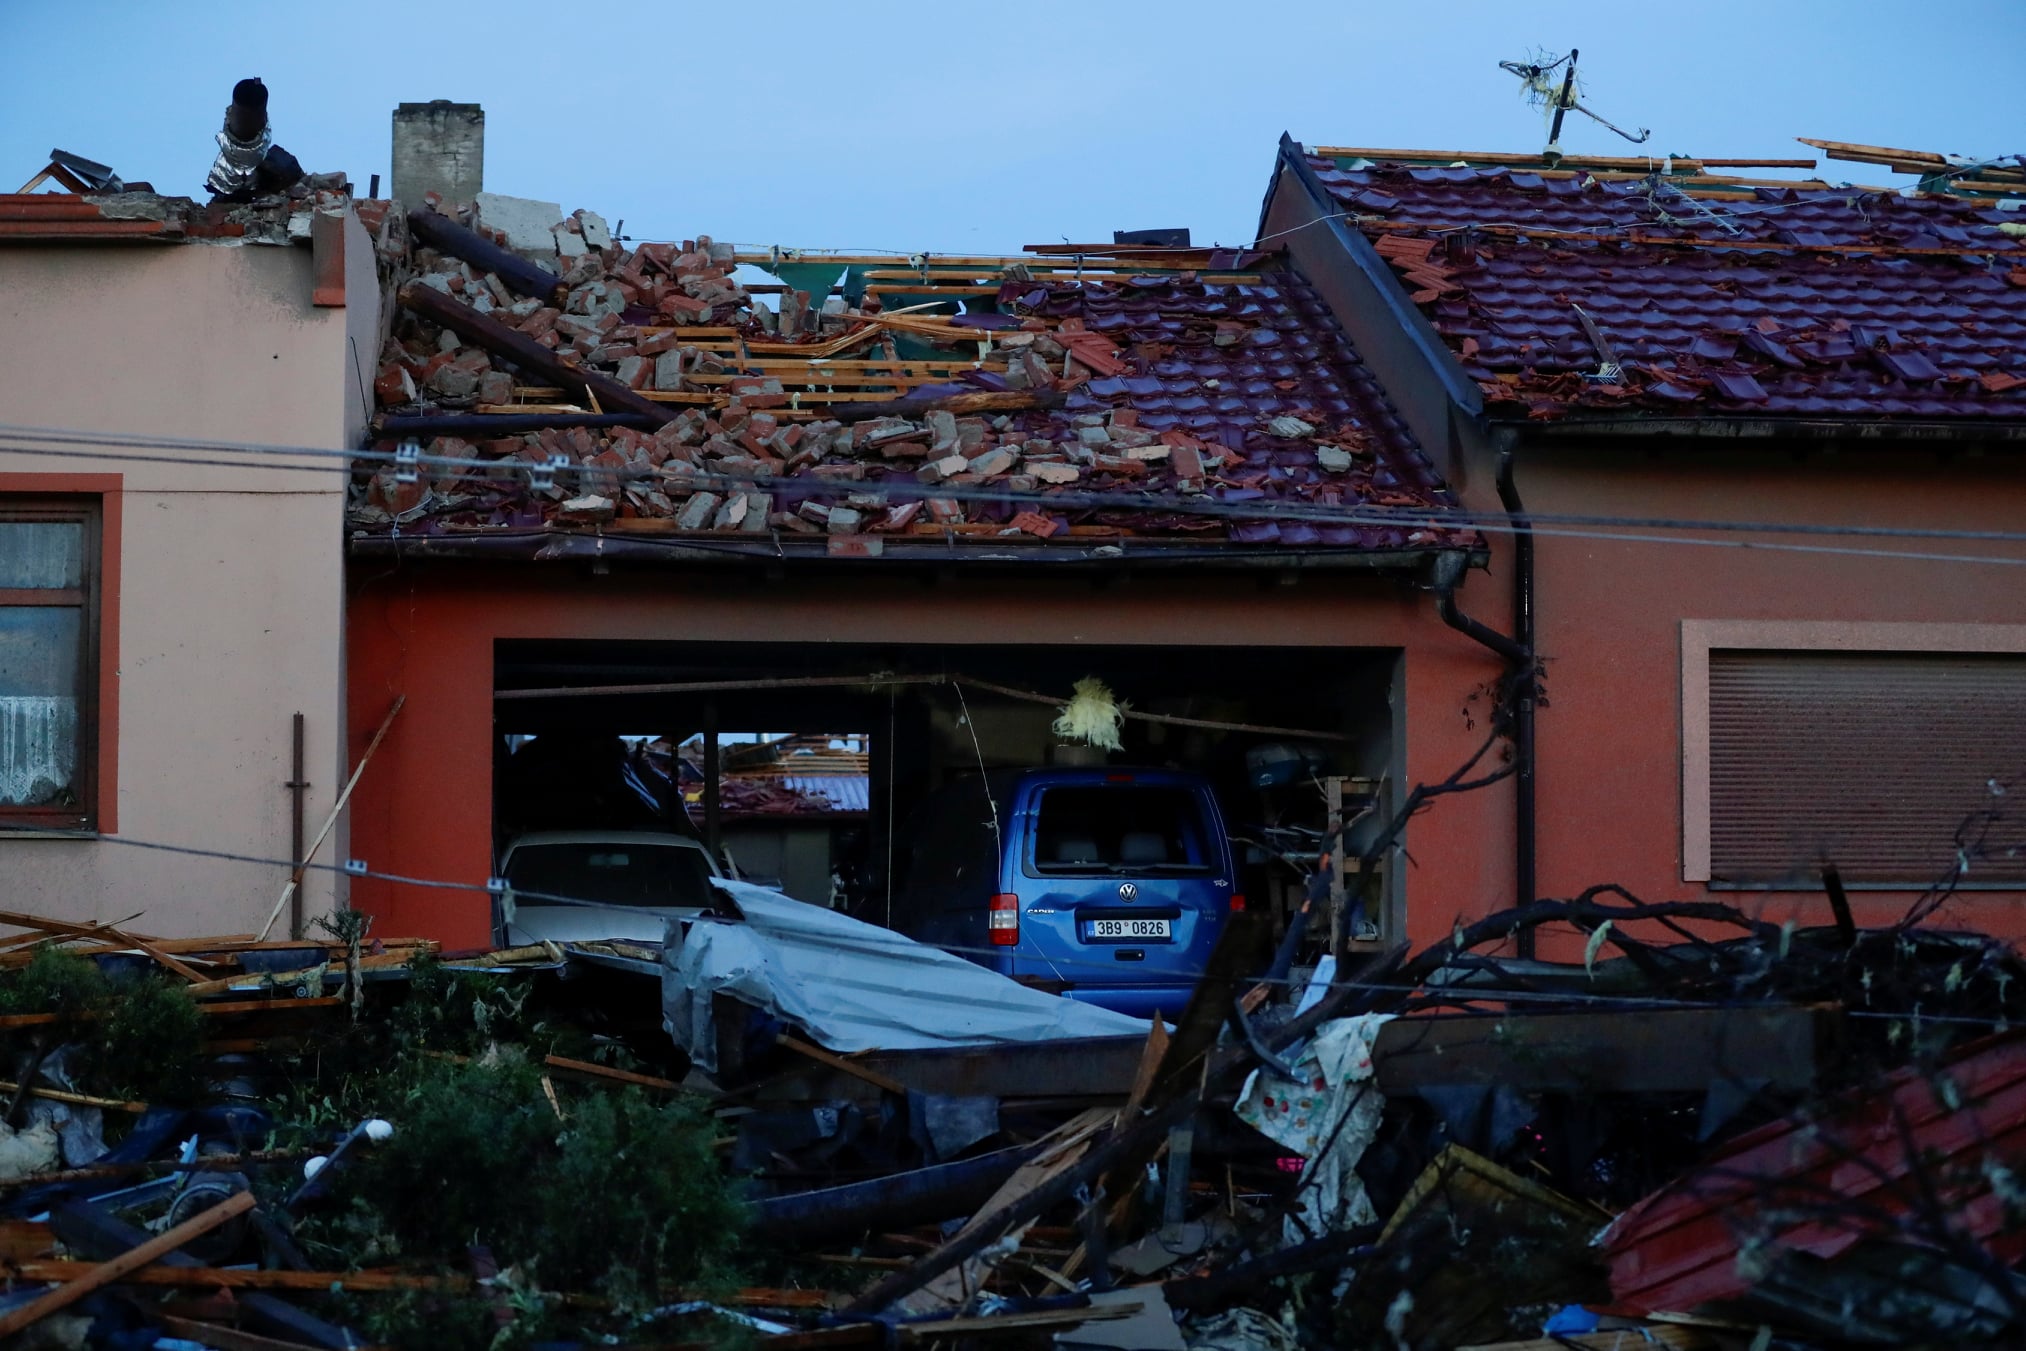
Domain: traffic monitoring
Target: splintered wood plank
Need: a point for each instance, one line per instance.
(98, 1276)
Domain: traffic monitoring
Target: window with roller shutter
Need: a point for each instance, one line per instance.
(1885, 763)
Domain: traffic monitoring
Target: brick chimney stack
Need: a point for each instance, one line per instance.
(438, 147)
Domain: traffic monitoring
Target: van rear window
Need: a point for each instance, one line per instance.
(1126, 828)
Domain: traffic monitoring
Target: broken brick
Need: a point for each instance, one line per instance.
(994, 463)
(590, 509)
(1034, 524)
(698, 511)
(394, 385)
(935, 471)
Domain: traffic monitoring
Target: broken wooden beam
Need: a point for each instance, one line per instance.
(961, 405)
(882, 1082)
(586, 1069)
(394, 425)
(521, 276)
(75, 1099)
(90, 1229)
(440, 307)
(105, 1273)
(240, 1278)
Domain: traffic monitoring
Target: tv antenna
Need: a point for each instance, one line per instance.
(1557, 100)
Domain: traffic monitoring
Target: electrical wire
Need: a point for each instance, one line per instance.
(1460, 992)
(1404, 518)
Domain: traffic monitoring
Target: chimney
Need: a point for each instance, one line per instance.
(438, 147)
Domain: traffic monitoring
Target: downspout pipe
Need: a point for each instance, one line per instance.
(1525, 824)
(1448, 571)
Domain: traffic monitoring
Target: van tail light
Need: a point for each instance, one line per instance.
(1002, 918)
(1237, 902)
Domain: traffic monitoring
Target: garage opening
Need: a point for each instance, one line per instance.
(821, 770)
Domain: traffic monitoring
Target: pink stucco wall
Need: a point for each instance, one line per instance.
(230, 605)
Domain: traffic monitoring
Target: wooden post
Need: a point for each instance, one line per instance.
(295, 878)
(297, 786)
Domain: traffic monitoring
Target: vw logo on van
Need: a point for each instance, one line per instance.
(1129, 891)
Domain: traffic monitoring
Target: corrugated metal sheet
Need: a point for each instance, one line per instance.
(847, 792)
(1873, 761)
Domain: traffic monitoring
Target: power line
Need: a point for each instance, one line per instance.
(1404, 518)
(1459, 992)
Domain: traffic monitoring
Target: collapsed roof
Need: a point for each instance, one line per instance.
(1125, 399)
(1601, 290)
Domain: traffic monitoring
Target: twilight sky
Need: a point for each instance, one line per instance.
(983, 127)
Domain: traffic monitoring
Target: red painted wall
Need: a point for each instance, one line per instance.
(1610, 614)
(423, 808)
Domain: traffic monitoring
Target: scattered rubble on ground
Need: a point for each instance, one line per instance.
(1711, 1132)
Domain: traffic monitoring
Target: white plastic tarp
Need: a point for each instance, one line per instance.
(851, 986)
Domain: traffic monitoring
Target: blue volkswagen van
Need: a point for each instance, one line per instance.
(1110, 885)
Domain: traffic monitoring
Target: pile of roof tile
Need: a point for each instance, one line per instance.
(1156, 391)
(1573, 290)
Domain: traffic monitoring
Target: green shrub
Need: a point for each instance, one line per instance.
(138, 1035)
(622, 1198)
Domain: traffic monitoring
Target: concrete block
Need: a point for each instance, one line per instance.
(524, 221)
(596, 233)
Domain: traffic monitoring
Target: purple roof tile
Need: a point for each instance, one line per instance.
(1805, 301)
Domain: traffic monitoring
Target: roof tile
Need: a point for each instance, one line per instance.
(1842, 302)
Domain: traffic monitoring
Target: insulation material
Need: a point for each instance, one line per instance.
(1092, 716)
(1328, 1116)
(852, 986)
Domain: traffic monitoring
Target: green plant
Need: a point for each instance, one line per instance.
(620, 1196)
(138, 1034)
(149, 1043)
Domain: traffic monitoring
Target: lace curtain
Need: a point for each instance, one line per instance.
(38, 748)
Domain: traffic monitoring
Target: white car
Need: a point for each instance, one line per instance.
(585, 886)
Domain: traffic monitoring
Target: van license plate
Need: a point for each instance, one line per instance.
(1129, 928)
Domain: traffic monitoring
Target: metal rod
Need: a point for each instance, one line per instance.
(889, 681)
(717, 686)
(711, 782)
(297, 786)
(1562, 102)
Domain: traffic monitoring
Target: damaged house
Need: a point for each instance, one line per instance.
(1621, 361)
(171, 636)
(917, 501)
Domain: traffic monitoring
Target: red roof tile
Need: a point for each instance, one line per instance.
(1804, 302)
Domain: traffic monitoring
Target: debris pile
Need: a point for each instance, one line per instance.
(649, 384)
(1710, 1132)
